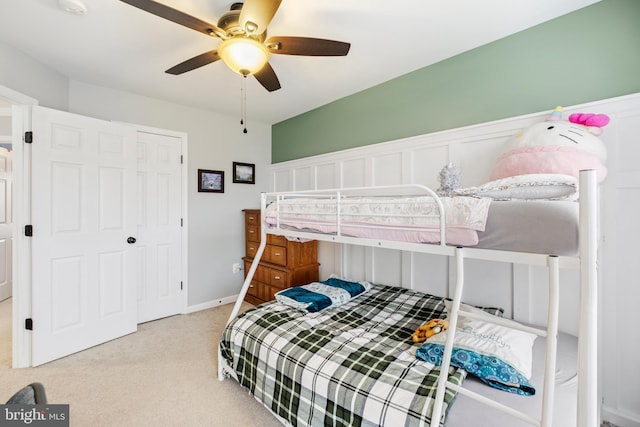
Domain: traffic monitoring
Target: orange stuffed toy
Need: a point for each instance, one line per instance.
(429, 329)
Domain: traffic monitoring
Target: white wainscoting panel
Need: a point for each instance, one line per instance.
(620, 281)
(425, 164)
(304, 178)
(353, 173)
(387, 169)
(326, 176)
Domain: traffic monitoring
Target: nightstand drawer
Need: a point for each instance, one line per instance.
(252, 218)
(254, 289)
(278, 278)
(253, 233)
(276, 254)
(252, 248)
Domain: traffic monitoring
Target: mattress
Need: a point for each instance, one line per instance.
(356, 364)
(533, 226)
(540, 226)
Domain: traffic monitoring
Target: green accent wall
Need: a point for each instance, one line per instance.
(590, 54)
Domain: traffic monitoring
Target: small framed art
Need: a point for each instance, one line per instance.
(244, 173)
(210, 181)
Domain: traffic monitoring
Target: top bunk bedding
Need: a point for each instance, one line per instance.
(533, 226)
(414, 219)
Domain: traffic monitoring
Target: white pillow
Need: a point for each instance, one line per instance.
(486, 338)
(526, 187)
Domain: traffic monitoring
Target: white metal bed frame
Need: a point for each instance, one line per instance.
(585, 261)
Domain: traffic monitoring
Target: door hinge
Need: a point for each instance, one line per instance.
(28, 137)
(181, 159)
(180, 285)
(28, 324)
(181, 222)
(28, 230)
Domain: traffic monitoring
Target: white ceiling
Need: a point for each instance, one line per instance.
(118, 46)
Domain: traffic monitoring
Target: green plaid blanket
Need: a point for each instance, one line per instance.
(353, 365)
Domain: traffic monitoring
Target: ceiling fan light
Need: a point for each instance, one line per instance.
(243, 55)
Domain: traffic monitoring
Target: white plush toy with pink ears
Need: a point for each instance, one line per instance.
(556, 146)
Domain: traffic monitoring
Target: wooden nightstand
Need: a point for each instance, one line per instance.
(284, 263)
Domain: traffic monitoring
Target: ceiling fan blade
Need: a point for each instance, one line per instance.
(255, 15)
(267, 78)
(307, 46)
(176, 16)
(195, 62)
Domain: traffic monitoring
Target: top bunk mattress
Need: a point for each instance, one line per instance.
(541, 226)
(532, 226)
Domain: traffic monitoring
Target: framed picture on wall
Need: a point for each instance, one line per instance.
(244, 173)
(210, 181)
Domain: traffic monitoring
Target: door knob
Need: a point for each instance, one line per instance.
(131, 240)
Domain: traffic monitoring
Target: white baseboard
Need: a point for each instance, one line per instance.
(210, 304)
(619, 418)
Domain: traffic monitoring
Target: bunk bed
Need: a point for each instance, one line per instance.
(258, 348)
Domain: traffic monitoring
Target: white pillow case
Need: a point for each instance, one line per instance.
(486, 338)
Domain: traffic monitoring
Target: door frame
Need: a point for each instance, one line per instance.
(21, 262)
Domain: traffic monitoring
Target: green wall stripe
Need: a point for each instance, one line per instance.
(587, 55)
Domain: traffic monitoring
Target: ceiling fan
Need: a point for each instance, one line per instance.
(245, 47)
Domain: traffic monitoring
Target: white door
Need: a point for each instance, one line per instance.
(5, 224)
(83, 213)
(159, 234)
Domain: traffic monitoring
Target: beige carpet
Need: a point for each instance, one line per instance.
(163, 375)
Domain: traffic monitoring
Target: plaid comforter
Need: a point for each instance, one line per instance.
(353, 365)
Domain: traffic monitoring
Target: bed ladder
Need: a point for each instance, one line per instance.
(551, 333)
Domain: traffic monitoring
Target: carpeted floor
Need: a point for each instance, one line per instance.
(163, 375)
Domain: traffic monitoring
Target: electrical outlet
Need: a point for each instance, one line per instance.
(235, 267)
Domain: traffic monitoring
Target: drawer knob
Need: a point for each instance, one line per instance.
(278, 254)
(252, 217)
(277, 277)
(251, 231)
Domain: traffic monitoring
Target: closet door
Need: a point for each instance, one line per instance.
(84, 224)
(159, 230)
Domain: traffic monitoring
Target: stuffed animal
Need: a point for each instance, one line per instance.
(429, 329)
(556, 146)
(449, 180)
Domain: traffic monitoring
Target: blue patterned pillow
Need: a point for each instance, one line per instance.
(490, 369)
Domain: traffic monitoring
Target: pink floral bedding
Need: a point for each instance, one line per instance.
(407, 219)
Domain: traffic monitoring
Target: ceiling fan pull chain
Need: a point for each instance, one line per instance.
(243, 90)
(243, 102)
